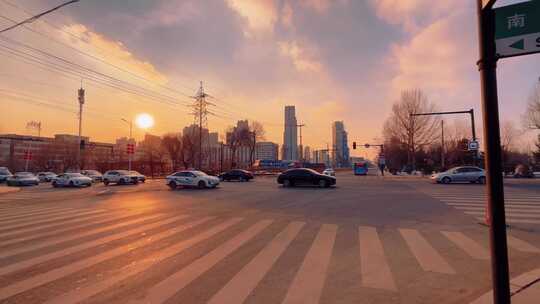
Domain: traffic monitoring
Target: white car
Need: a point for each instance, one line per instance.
(329, 172)
(120, 177)
(46, 176)
(192, 178)
(72, 180)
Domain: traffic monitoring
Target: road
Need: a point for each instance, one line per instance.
(368, 240)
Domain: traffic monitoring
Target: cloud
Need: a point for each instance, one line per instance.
(318, 5)
(303, 58)
(287, 15)
(261, 15)
(110, 51)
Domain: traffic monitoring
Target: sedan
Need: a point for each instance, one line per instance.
(304, 176)
(460, 175)
(191, 179)
(95, 175)
(139, 176)
(23, 179)
(119, 177)
(236, 174)
(72, 180)
(46, 176)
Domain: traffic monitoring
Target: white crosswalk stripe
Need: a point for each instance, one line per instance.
(27, 267)
(465, 199)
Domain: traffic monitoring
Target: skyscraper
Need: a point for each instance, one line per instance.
(290, 137)
(340, 144)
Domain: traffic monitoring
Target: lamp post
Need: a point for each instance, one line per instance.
(130, 123)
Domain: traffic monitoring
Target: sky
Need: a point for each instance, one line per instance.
(334, 60)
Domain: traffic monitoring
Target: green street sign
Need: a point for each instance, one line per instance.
(517, 29)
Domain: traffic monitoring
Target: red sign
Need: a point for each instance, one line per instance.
(130, 148)
(27, 155)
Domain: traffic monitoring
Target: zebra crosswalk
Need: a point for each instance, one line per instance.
(129, 247)
(521, 207)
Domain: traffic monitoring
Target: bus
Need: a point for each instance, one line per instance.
(360, 168)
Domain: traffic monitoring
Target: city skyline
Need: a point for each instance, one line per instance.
(300, 66)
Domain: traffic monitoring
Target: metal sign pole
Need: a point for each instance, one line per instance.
(487, 66)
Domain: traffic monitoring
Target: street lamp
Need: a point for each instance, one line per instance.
(130, 123)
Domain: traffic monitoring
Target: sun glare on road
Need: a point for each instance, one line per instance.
(144, 121)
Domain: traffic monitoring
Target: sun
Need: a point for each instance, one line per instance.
(144, 121)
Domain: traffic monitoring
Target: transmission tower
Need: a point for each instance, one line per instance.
(200, 114)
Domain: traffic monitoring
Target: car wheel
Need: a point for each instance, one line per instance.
(71, 184)
(446, 180)
(201, 185)
(54, 184)
(172, 185)
(287, 183)
(105, 182)
(323, 183)
(482, 180)
(242, 179)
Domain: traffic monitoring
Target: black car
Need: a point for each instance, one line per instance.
(304, 176)
(236, 174)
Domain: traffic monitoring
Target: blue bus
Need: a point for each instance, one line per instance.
(360, 168)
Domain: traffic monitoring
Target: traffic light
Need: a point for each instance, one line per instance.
(130, 148)
(354, 145)
(83, 144)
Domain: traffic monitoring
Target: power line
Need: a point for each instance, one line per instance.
(34, 18)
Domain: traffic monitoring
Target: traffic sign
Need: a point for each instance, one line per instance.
(473, 145)
(517, 29)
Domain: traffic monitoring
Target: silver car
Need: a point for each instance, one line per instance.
(46, 176)
(4, 174)
(460, 175)
(72, 180)
(23, 179)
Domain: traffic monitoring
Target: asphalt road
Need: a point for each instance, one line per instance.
(367, 240)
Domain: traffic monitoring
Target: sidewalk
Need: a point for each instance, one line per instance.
(525, 289)
(6, 189)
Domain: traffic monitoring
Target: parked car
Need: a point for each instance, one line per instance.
(72, 180)
(22, 179)
(95, 175)
(304, 176)
(4, 174)
(140, 176)
(236, 174)
(46, 176)
(192, 178)
(523, 171)
(120, 177)
(329, 172)
(460, 175)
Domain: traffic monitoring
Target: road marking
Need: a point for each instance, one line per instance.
(373, 265)
(309, 280)
(51, 225)
(245, 281)
(509, 214)
(80, 294)
(61, 217)
(34, 247)
(511, 209)
(55, 274)
(428, 258)
(514, 221)
(472, 248)
(35, 217)
(523, 206)
(521, 245)
(177, 281)
(25, 211)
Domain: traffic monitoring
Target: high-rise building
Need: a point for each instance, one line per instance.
(266, 151)
(340, 145)
(307, 154)
(290, 135)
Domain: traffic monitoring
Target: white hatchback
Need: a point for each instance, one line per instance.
(192, 178)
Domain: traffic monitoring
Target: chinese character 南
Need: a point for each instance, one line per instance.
(516, 21)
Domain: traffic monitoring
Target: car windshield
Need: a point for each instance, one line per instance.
(199, 173)
(74, 174)
(4, 171)
(123, 172)
(135, 172)
(24, 174)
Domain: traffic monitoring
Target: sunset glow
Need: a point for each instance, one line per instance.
(144, 121)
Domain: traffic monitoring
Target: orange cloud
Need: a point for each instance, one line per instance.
(302, 57)
(261, 15)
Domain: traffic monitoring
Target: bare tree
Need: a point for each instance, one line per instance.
(172, 144)
(257, 134)
(413, 131)
(532, 116)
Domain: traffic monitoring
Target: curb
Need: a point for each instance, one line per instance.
(517, 285)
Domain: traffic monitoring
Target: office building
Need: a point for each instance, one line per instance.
(340, 145)
(290, 135)
(266, 151)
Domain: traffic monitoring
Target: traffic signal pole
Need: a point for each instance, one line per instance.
(487, 65)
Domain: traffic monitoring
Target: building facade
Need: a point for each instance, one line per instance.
(290, 135)
(266, 151)
(340, 145)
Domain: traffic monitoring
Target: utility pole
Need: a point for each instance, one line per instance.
(442, 146)
(79, 145)
(200, 113)
(301, 146)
